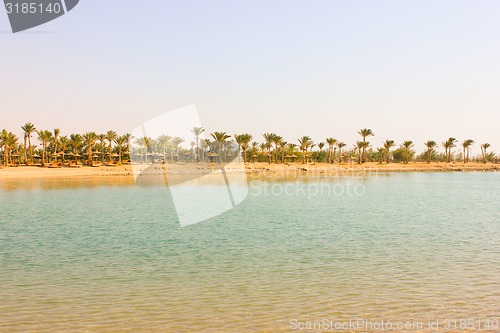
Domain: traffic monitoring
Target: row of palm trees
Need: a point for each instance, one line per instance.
(54, 146)
(110, 147)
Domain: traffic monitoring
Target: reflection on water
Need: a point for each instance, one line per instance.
(64, 182)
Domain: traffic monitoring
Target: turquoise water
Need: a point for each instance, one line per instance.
(410, 247)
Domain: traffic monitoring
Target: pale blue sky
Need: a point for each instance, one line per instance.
(407, 69)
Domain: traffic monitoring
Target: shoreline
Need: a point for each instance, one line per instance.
(276, 170)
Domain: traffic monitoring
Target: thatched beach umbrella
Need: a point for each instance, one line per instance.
(212, 155)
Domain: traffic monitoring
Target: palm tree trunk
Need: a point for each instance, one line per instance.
(43, 154)
(31, 148)
(110, 149)
(25, 151)
(197, 150)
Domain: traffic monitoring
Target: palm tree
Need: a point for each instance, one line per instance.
(245, 142)
(149, 143)
(55, 140)
(220, 138)
(197, 132)
(485, 146)
(381, 152)
(163, 141)
(331, 142)
(145, 143)
(305, 143)
(28, 129)
(365, 132)
(407, 146)
(448, 145)
(242, 140)
(431, 144)
(76, 143)
(269, 138)
(360, 146)
(110, 136)
(320, 146)
(206, 144)
(466, 146)
(366, 144)
(238, 139)
(120, 143)
(203, 148)
(340, 145)
(276, 140)
(89, 139)
(44, 137)
(8, 140)
(291, 149)
(388, 144)
(128, 139)
(141, 142)
(64, 143)
(101, 138)
(282, 146)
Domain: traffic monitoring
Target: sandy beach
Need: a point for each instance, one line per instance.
(128, 171)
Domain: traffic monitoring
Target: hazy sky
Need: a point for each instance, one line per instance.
(414, 70)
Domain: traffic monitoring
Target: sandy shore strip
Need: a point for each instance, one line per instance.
(33, 172)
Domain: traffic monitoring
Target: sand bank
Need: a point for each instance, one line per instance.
(29, 172)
